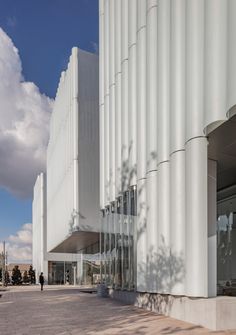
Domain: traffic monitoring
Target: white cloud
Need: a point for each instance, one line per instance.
(19, 246)
(23, 236)
(24, 114)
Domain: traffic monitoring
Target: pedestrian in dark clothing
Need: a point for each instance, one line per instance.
(41, 280)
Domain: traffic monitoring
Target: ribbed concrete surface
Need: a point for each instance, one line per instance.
(65, 310)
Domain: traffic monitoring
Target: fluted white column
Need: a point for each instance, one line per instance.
(196, 153)
(141, 146)
(151, 115)
(212, 219)
(196, 218)
(106, 104)
(112, 98)
(101, 101)
(163, 139)
(177, 146)
(216, 37)
(177, 223)
(75, 95)
(231, 58)
(118, 127)
(132, 99)
(124, 96)
(152, 59)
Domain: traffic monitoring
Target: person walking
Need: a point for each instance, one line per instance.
(41, 280)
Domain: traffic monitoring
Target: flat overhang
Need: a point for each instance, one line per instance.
(222, 148)
(76, 242)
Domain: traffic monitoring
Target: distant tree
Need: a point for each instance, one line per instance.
(16, 276)
(31, 274)
(7, 278)
(25, 277)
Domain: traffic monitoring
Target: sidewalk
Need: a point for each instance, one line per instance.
(65, 310)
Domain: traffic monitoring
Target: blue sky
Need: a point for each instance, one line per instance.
(13, 213)
(44, 31)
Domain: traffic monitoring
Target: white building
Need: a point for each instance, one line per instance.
(73, 158)
(55, 266)
(167, 153)
(39, 231)
(66, 221)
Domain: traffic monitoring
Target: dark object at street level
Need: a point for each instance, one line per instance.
(41, 280)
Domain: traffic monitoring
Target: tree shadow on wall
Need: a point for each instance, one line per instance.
(125, 173)
(163, 270)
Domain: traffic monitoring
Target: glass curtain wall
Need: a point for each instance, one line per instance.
(90, 264)
(118, 254)
(61, 272)
(226, 246)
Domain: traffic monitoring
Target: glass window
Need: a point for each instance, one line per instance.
(226, 247)
(117, 242)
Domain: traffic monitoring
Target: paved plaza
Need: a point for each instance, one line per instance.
(67, 310)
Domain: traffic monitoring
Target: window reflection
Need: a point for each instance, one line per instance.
(117, 236)
(226, 247)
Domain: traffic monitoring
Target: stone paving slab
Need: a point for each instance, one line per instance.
(67, 311)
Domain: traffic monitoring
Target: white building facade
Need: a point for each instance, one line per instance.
(167, 87)
(58, 268)
(66, 223)
(73, 158)
(39, 228)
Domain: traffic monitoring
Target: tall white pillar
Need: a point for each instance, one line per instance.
(106, 104)
(194, 68)
(101, 101)
(231, 92)
(118, 128)
(177, 146)
(141, 146)
(152, 77)
(75, 95)
(212, 218)
(124, 97)
(151, 124)
(163, 141)
(132, 87)
(196, 218)
(177, 222)
(216, 61)
(112, 98)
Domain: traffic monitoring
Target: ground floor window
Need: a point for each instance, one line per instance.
(118, 254)
(226, 246)
(60, 273)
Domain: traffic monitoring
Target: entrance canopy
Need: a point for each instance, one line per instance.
(78, 241)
